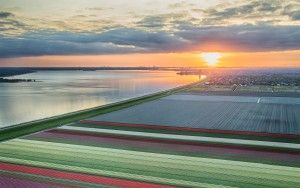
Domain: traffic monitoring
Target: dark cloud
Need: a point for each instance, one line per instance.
(100, 8)
(152, 22)
(181, 4)
(152, 41)
(169, 32)
(246, 37)
(251, 9)
(268, 6)
(39, 47)
(13, 23)
(292, 10)
(294, 15)
(128, 40)
(161, 20)
(116, 41)
(5, 14)
(9, 23)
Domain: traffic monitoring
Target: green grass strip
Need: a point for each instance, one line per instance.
(187, 168)
(60, 154)
(222, 179)
(109, 173)
(92, 149)
(50, 180)
(171, 151)
(182, 132)
(188, 138)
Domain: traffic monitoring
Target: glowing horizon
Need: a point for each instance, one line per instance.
(240, 59)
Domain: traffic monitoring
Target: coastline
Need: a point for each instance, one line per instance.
(26, 128)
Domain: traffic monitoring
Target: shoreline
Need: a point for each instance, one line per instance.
(5, 80)
(30, 127)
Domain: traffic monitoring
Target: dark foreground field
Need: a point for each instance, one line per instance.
(240, 113)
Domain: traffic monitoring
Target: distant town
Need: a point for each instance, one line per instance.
(262, 79)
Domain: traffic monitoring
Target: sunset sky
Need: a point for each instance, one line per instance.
(254, 33)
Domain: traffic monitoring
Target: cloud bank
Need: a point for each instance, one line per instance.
(249, 26)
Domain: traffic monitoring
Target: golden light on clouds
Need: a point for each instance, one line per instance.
(142, 33)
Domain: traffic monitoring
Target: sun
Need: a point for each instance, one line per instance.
(211, 58)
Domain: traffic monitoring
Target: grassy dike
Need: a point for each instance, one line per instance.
(22, 129)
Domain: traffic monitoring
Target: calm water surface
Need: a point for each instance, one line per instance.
(58, 92)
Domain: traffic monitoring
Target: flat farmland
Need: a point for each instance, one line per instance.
(240, 113)
(169, 139)
(252, 90)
